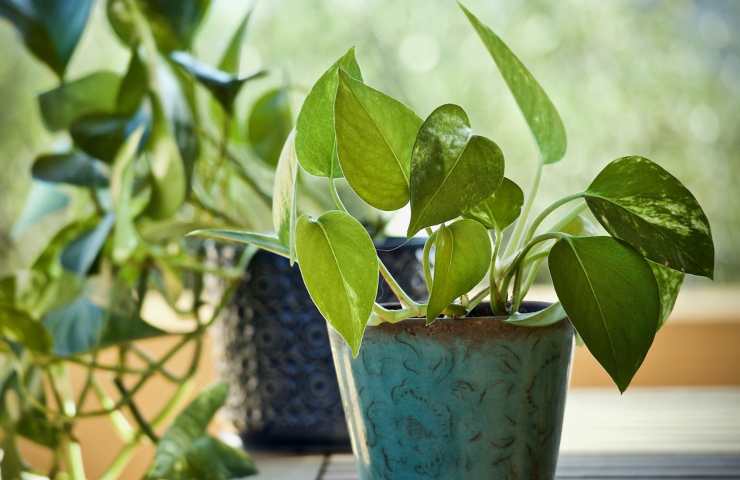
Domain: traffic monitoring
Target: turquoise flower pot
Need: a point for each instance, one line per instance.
(468, 399)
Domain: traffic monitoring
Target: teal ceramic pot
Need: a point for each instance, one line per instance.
(469, 399)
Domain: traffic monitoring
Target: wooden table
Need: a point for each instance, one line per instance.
(644, 434)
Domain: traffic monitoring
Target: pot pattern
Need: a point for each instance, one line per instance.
(452, 401)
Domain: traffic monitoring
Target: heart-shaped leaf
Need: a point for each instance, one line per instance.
(461, 260)
(264, 242)
(50, 29)
(284, 204)
(71, 100)
(339, 266)
(375, 136)
(539, 112)
(500, 209)
(174, 23)
(169, 181)
(223, 86)
(612, 299)
(80, 254)
(231, 57)
(315, 140)
(207, 457)
(101, 135)
(270, 122)
(74, 168)
(638, 201)
(451, 170)
(541, 318)
(669, 284)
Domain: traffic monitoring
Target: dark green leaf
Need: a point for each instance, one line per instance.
(611, 297)
(500, 209)
(174, 23)
(264, 242)
(284, 202)
(270, 122)
(638, 201)
(80, 254)
(11, 463)
(101, 135)
(451, 169)
(169, 182)
(50, 29)
(339, 266)
(375, 135)
(134, 86)
(539, 112)
(209, 458)
(71, 100)
(461, 259)
(43, 200)
(669, 284)
(550, 315)
(232, 55)
(75, 168)
(18, 326)
(223, 86)
(189, 425)
(315, 140)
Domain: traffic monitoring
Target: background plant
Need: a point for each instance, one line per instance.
(616, 289)
(138, 159)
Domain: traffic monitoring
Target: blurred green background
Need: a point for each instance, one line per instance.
(655, 78)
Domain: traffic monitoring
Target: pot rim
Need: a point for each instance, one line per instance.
(527, 306)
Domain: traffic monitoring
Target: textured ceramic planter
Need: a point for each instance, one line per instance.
(467, 399)
(275, 353)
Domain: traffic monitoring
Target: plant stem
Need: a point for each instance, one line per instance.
(498, 306)
(119, 421)
(136, 413)
(75, 464)
(513, 266)
(522, 220)
(397, 290)
(335, 196)
(547, 211)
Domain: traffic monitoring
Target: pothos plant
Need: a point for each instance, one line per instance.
(142, 158)
(615, 289)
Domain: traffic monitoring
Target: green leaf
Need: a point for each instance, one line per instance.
(101, 135)
(170, 459)
(134, 86)
(500, 209)
(50, 29)
(125, 236)
(71, 100)
(451, 170)
(339, 266)
(611, 297)
(539, 112)
(83, 326)
(80, 254)
(223, 86)
(315, 139)
(284, 201)
(210, 458)
(18, 326)
(669, 284)
(639, 202)
(74, 168)
(232, 54)
(43, 200)
(169, 182)
(375, 135)
(270, 122)
(548, 316)
(582, 226)
(174, 23)
(265, 242)
(461, 259)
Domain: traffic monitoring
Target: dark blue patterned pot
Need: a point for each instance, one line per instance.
(276, 354)
(475, 398)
